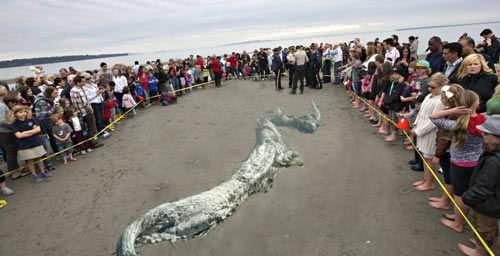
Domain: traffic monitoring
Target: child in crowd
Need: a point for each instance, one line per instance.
(78, 136)
(450, 95)
(62, 134)
(26, 130)
(153, 88)
(391, 98)
(383, 82)
(465, 149)
(128, 101)
(425, 130)
(484, 191)
(109, 106)
(367, 88)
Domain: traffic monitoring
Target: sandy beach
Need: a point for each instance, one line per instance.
(341, 202)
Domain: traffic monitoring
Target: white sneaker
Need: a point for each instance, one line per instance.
(440, 170)
(83, 152)
(6, 191)
(89, 150)
(105, 134)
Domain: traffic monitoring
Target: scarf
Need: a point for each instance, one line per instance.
(475, 121)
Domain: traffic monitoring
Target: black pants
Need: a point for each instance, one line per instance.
(217, 78)
(291, 72)
(327, 71)
(98, 114)
(316, 80)
(9, 142)
(299, 76)
(119, 97)
(277, 79)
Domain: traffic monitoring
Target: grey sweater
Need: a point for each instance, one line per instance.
(4, 125)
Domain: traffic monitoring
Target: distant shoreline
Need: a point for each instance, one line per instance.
(446, 26)
(50, 60)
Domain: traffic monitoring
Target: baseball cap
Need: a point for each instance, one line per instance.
(491, 125)
(423, 64)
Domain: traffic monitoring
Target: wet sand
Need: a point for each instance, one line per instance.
(353, 196)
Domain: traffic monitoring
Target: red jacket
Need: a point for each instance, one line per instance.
(233, 61)
(108, 105)
(215, 65)
(144, 82)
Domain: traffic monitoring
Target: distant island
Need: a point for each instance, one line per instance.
(247, 42)
(56, 59)
(452, 25)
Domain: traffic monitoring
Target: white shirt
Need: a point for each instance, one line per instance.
(327, 54)
(290, 58)
(120, 83)
(135, 69)
(337, 55)
(91, 90)
(371, 59)
(76, 124)
(392, 55)
(424, 128)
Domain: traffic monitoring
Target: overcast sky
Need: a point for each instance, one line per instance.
(37, 28)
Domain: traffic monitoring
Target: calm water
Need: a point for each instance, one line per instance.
(446, 33)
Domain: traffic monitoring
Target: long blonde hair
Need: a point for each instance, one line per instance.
(439, 79)
(462, 71)
(468, 99)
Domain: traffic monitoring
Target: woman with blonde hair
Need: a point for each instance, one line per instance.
(475, 75)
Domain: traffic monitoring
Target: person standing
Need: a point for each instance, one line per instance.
(104, 76)
(435, 57)
(484, 190)
(316, 59)
(8, 142)
(300, 69)
(452, 54)
(276, 66)
(216, 67)
(413, 47)
(490, 46)
(475, 75)
(327, 72)
(337, 62)
(391, 53)
(80, 100)
(290, 64)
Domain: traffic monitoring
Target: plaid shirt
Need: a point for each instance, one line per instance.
(43, 108)
(79, 99)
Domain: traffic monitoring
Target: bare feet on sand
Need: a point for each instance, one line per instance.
(453, 225)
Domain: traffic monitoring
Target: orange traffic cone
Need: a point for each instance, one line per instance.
(403, 124)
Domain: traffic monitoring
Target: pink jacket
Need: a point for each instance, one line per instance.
(128, 101)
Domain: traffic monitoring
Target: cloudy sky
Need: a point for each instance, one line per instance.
(37, 28)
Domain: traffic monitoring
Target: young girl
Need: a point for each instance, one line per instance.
(367, 87)
(74, 120)
(383, 81)
(450, 94)
(425, 130)
(465, 150)
(26, 129)
(62, 134)
(128, 101)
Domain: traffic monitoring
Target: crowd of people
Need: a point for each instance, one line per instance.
(449, 99)
(449, 102)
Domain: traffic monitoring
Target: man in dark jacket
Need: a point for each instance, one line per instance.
(316, 61)
(435, 57)
(276, 66)
(490, 45)
(483, 195)
(468, 48)
(452, 54)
